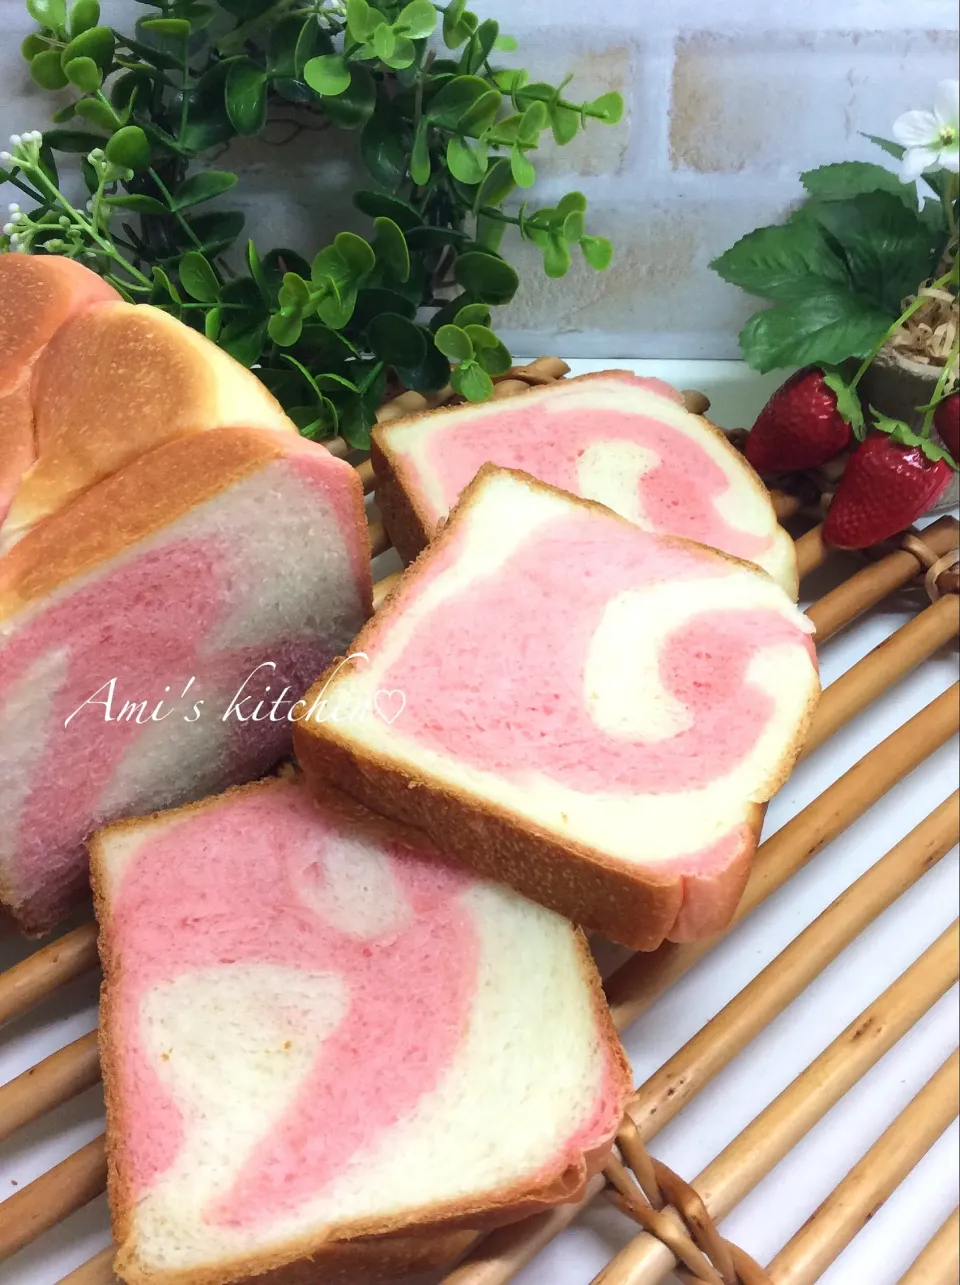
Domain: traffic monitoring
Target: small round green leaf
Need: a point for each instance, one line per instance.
(403, 54)
(97, 43)
(244, 340)
(417, 20)
(463, 161)
(505, 43)
(573, 226)
(97, 113)
(384, 40)
(384, 146)
(480, 335)
(245, 95)
(284, 330)
(420, 155)
(84, 74)
(454, 99)
(354, 107)
(565, 123)
(84, 14)
(481, 114)
(129, 148)
(356, 253)
(498, 184)
(534, 119)
(495, 359)
(556, 256)
(391, 249)
(177, 28)
(474, 314)
(202, 187)
(328, 75)
(32, 45)
(488, 278)
(597, 251)
(47, 70)
(198, 278)
(51, 14)
(471, 381)
(570, 203)
(396, 340)
(212, 324)
(522, 170)
(608, 108)
(454, 343)
(138, 202)
(377, 204)
(361, 20)
(294, 294)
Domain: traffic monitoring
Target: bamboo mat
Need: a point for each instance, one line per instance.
(793, 1072)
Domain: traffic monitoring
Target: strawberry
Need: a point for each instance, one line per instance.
(946, 420)
(800, 427)
(890, 480)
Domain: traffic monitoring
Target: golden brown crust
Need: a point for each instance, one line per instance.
(636, 906)
(145, 496)
(368, 1250)
(411, 530)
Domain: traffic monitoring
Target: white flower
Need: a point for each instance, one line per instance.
(5, 158)
(9, 229)
(13, 207)
(932, 139)
(15, 140)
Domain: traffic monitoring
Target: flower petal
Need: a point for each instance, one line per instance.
(916, 129)
(946, 103)
(950, 159)
(915, 160)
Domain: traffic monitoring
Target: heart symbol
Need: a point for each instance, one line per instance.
(395, 701)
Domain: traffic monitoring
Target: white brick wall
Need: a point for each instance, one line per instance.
(727, 100)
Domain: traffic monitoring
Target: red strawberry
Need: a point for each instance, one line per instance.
(886, 486)
(946, 420)
(800, 426)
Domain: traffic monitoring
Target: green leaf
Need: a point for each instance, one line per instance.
(284, 41)
(533, 120)
(198, 278)
(488, 278)
(507, 44)
(454, 343)
(472, 314)
(522, 170)
(470, 380)
(783, 262)
(164, 285)
(96, 112)
(203, 186)
(481, 114)
(384, 147)
(47, 70)
(137, 202)
(384, 40)
(455, 29)
(497, 185)
(432, 374)
(420, 155)
(379, 204)
(354, 106)
(397, 340)
(216, 230)
(84, 74)
(448, 106)
(78, 141)
(96, 43)
(51, 14)
(417, 20)
(32, 45)
(556, 256)
(244, 340)
(402, 55)
(361, 20)
(480, 46)
(256, 271)
(356, 253)
(852, 178)
(573, 226)
(246, 97)
(463, 161)
(597, 251)
(495, 359)
(565, 123)
(888, 249)
(355, 421)
(391, 250)
(172, 28)
(891, 148)
(284, 328)
(293, 295)
(823, 328)
(372, 300)
(84, 14)
(608, 108)
(130, 148)
(906, 436)
(848, 403)
(213, 324)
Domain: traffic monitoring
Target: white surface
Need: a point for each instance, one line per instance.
(767, 1218)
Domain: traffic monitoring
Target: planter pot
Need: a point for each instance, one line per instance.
(896, 386)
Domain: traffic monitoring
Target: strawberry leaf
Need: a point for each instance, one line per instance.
(848, 403)
(904, 435)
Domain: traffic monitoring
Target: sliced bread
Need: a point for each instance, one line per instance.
(146, 631)
(591, 713)
(614, 437)
(318, 1037)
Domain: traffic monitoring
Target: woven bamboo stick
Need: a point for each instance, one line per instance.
(48, 1084)
(938, 1263)
(715, 1045)
(869, 586)
(881, 668)
(871, 1181)
(53, 1196)
(96, 1271)
(500, 1255)
(36, 977)
(644, 978)
(379, 540)
(748, 1159)
(811, 551)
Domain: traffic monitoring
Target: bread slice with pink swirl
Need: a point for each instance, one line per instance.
(321, 1041)
(612, 436)
(589, 712)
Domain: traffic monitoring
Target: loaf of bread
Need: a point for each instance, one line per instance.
(321, 1042)
(178, 558)
(589, 712)
(614, 437)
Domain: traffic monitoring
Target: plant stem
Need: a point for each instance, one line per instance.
(949, 198)
(168, 197)
(892, 330)
(937, 397)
